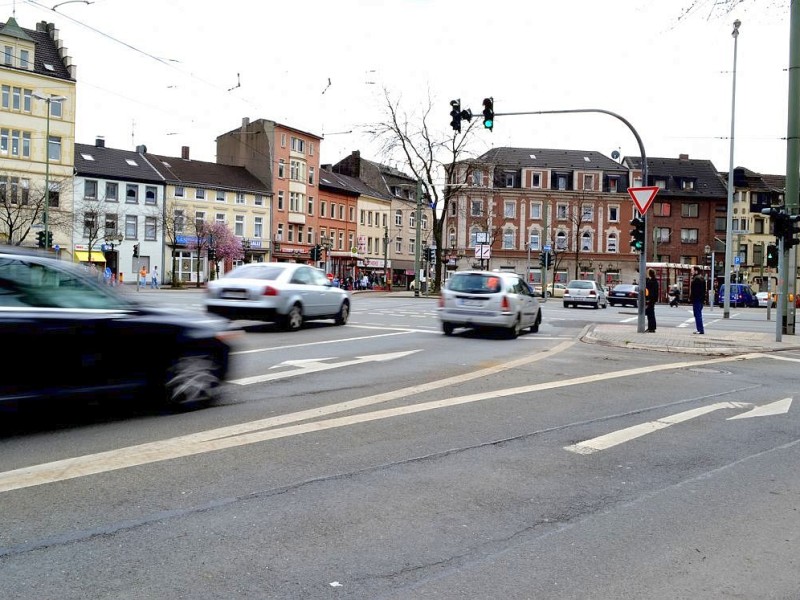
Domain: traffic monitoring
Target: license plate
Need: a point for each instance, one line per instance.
(470, 302)
(234, 295)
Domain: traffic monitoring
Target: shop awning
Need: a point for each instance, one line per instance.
(83, 256)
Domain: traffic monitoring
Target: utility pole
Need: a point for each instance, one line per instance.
(417, 241)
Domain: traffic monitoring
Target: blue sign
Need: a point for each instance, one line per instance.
(737, 260)
(547, 248)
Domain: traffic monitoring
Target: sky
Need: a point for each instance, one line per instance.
(175, 73)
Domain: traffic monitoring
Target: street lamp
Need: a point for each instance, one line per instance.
(48, 100)
(726, 312)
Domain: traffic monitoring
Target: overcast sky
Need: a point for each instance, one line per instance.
(173, 73)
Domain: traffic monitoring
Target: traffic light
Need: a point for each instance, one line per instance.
(316, 252)
(40, 239)
(455, 114)
(637, 234)
(772, 256)
(136, 251)
(48, 239)
(212, 254)
(488, 113)
(792, 229)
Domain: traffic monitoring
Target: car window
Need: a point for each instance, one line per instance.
(318, 278)
(581, 285)
(25, 283)
(302, 276)
(476, 283)
(255, 271)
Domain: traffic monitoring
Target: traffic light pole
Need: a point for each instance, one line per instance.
(643, 254)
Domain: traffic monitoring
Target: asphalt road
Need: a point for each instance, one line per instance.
(385, 460)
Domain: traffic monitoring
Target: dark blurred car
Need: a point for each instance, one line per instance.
(282, 292)
(624, 294)
(67, 335)
(741, 295)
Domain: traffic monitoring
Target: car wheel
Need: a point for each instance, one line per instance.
(448, 328)
(191, 380)
(293, 320)
(513, 331)
(343, 314)
(566, 305)
(536, 323)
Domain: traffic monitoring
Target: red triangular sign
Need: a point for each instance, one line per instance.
(643, 197)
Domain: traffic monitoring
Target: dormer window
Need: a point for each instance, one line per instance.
(660, 184)
(687, 184)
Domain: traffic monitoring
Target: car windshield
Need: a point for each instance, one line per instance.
(581, 285)
(255, 271)
(54, 285)
(476, 283)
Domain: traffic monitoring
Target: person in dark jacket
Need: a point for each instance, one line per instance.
(650, 298)
(697, 295)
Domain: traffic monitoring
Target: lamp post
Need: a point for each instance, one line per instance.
(48, 100)
(726, 311)
(417, 241)
(113, 240)
(386, 283)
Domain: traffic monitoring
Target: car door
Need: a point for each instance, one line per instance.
(528, 304)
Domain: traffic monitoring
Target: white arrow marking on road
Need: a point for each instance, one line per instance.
(604, 442)
(781, 407)
(314, 365)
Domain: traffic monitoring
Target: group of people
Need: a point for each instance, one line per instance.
(697, 296)
(154, 282)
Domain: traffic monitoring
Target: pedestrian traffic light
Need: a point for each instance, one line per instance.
(637, 234)
(488, 113)
(136, 251)
(40, 239)
(455, 114)
(772, 256)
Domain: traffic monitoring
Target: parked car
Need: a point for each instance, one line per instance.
(763, 299)
(585, 291)
(554, 290)
(67, 335)
(284, 293)
(489, 299)
(741, 295)
(624, 294)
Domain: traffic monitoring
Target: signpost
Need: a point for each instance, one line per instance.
(642, 199)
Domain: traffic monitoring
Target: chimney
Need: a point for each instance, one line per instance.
(185, 152)
(245, 123)
(683, 157)
(100, 142)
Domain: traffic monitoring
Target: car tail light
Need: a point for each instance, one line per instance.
(592, 293)
(271, 291)
(441, 301)
(505, 304)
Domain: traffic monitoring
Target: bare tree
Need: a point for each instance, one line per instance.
(174, 224)
(22, 209)
(431, 157)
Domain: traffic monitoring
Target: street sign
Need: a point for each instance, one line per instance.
(547, 248)
(643, 197)
(483, 251)
(737, 260)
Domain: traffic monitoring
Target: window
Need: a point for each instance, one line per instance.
(8, 55)
(89, 224)
(240, 198)
(398, 244)
(199, 219)
(508, 239)
(280, 200)
(362, 216)
(662, 209)
(477, 178)
(322, 208)
(112, 191)
(660, 183)
(295, 202)
(131, 227)
(690, 210)
(758, 227)
(476, 208)
(55, 194)
(298, 145)
(310, 175)
(281, 168)
(411, 246)
(611, 243)
(561, 241)
(279, 235)
(258, 200)
(295, 170)
(54, 148)
(536, 210)
(352, 215)
(150, 226)
(341, 212)
(311, 205)
(689, 236)
(398, 218)
(509, 179)
(613, 214)
(613, 185)
(662, 235)
(586, 241)
(509, 209)
(588, 182)
(180, 192)
(333, 210)
(283, 140)
(720, 224)
(258, 227)
(200, 194)
(587, 213)
(111, 224)
(687, 184)
(562, 182)
(238, 226)
(90, 189)
(179, 220)
(536, 180)
(219, 218)
(562, 212)
(534, 240)
(424, 222)
(412, 220)
(24, 59)
(220, 196)
(150, 195)
(131, 193)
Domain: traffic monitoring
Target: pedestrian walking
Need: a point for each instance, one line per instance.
(154, 278)
(650, 298)
(142, 277)
(697, 295)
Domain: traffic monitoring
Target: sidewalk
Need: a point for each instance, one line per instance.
(683, 340)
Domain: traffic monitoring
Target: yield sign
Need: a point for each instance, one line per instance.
(643, 197)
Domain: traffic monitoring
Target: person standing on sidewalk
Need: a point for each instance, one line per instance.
(697, 295)
(650, 298)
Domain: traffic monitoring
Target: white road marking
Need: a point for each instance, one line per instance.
(253, 432)
(781, 407)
